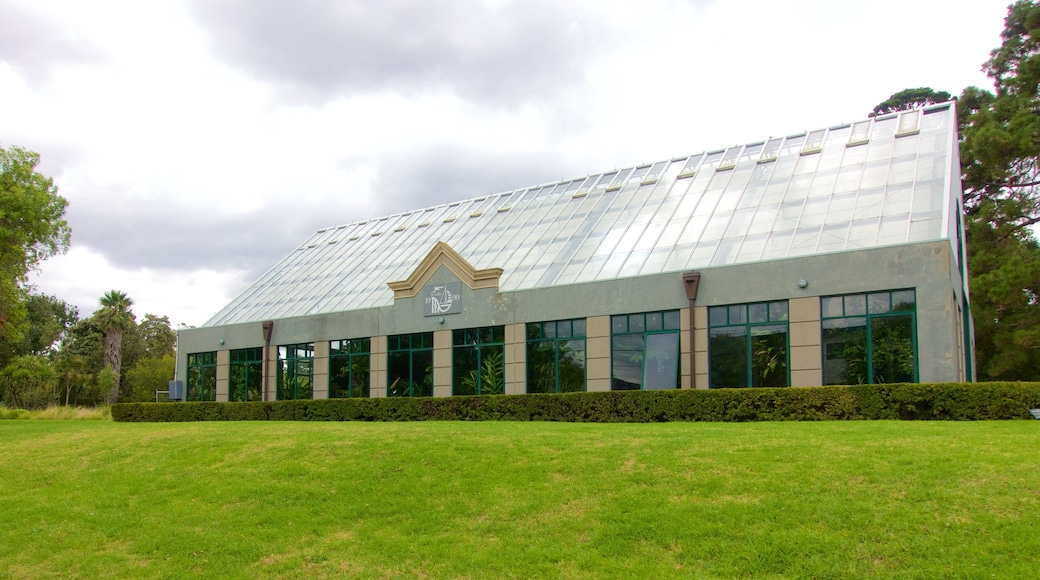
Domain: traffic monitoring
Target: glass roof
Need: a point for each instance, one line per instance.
(882, 181)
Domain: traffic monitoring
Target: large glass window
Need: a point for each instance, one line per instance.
(644, 351)
(296, 371)
(410, 365)
(348, 368)
(556, 356)
(747, 345)
(478, 361)
(202, 376)
(246, 375)
(870, 338)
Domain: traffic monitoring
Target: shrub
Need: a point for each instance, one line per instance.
(950, 401)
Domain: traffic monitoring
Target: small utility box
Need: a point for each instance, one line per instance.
(176, 391)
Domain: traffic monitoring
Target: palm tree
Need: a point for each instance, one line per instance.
(114, 317)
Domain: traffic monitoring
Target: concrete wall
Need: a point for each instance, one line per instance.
(925, 267)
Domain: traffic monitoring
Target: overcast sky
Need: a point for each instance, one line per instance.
(199, 142)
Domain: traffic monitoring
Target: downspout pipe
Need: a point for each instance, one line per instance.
(268, 330)
(691, 282)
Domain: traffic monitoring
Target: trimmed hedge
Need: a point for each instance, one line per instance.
(949, 401)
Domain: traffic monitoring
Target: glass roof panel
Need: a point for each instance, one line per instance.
(762, 201)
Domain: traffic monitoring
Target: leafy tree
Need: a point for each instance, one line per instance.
(106, 380)
(151, 373)
(907, 99)
(1000, 132)
(114, 317)
(48, 319)
(28, 382)
(158, 337)
(86, 339)
(1005, 280)
(74, 379)
(32, 229)
(1000, 168)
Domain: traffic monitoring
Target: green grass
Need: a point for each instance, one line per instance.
(477, 500)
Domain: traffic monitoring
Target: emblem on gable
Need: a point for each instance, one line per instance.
(442, 299)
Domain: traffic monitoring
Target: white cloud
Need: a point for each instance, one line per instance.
(82, 276)
(191, 167)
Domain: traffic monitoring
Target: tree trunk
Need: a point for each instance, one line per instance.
(113, 358)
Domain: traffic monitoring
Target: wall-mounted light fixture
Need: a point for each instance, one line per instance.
(803, 283)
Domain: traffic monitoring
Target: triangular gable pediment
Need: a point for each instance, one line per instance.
(444, 255)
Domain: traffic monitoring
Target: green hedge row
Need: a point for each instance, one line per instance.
(953, 401)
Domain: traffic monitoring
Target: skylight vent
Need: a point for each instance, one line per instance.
(690, 169)
(374, 234)
(860, 134)
(604, 181)
(449, 219)
(729, 160)
(771, 150)
(813, 143)
(424, 224)
(640, 174)
(909, 124)
(331, 242)
(655, 173)
(504, 209)
(579, 194)
(313, 246)
(352, 238)
(399, 229)
(476, 214)
(619, 180)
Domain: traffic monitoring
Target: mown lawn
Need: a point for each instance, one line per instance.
(477, 500)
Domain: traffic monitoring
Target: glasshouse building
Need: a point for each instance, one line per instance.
(833, 256)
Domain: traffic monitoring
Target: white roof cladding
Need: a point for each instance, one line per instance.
(882, 181)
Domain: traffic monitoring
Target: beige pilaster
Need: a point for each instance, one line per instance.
(321, 370)
(377, 367)
(442, 363)
(223, 374)
(271, 373)
(597, 344)
(806, 360)
(684, 348)
(516, 359)
(700, 346)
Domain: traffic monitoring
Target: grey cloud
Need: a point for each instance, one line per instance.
(32, 45)
(178, 239)
(506, 56)
(136, 234)
(444, 174)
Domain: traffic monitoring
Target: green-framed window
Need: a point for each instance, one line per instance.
(202, 377)
(296, 371)
(644, 351)
(869, 337)
(556, 356)
(410, 365)
(478, 364)
(349, 368)
(246, 374)
(748, 345)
